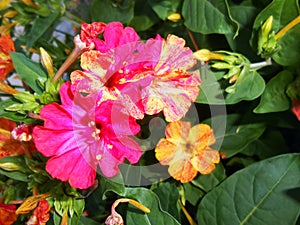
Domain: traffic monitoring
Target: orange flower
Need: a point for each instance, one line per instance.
(41, 214)
(6, 46)
(9, 146)
(186, 150)
(7, 214)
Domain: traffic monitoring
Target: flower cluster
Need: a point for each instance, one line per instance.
(122, 79)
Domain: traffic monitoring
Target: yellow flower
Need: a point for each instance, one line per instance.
(186, 150)
(4, 4)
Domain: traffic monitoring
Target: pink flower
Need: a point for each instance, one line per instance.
(89, 33)
(146, 77)
(116, 35)
(78, 135)
(296, 108)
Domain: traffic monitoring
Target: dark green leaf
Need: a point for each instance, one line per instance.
(248, 86)
(269, 144)
(208, 182)
(28, 70)
(255, 195)
(150, 200)
(164, 8)
(207, 16)
(274, 98)
(168, 195)
(211, 92)
(115, 184)
(108, 11)
(192, 193)
(235, 137)
(39, 27)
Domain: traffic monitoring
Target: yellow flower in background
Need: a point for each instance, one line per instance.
(186, 150)
(4, 4)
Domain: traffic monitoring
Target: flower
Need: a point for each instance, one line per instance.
(41, 214)
(9, 146)
(6, 46)
(186, 150)
(296, 108)
(146, 78)
(78, 135)
(7, 214)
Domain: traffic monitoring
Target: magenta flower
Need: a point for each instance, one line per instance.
(79, 135)
(146, 78)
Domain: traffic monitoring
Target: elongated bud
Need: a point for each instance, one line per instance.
(10, 14)
(174, 17)
(31, 203)
(7, 89)
(31, 4)
(47, 62)
(25, 97)
(9, 166)
(205, 55)
(267, 26)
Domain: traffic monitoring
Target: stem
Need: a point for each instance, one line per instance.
(193, 40)
(289, 26)
(69, 61)
(259, 65)
(186, 213)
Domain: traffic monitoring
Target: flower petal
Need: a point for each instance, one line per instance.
(183, 171)
(204, 161)
(202, 135)
(72, 167)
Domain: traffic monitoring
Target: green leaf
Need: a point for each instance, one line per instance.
(115, 184)
(107, 11)
(168, 195)
(235, 137)
(28, 70)
(258, 194)
(39, 27)
(15, 116)
(274, 98)
(150, 200)
(192, 193)
(290, 46)
(144, 16)
(269, 144)
(211, 92)
(164, 8)
(207, 16)
(209, 181)
(248, 86)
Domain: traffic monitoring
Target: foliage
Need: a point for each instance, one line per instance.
(247, 54)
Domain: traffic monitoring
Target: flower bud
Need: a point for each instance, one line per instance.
(47, 62)
(174, 17)
(9, 166)
(205, 55)
(114, 219)
(31, 203)
(25, 97)
(267, 26)
(22, 132)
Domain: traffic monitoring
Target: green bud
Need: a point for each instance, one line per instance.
(233, 71)
(230, 89)
(30, 106)
(9, 166)
(267, 26)
(14, 107)
(46, 98)
(25, 97)
(221, 66)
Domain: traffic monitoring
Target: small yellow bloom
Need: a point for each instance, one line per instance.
(4, 4)
(186, 150)
(205, 55)
(174, 17)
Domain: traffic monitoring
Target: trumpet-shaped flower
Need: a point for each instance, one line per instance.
(146, 78)
(9, 146)
(186, 150)
(6, 46)
(79, 135)
(7, 214)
